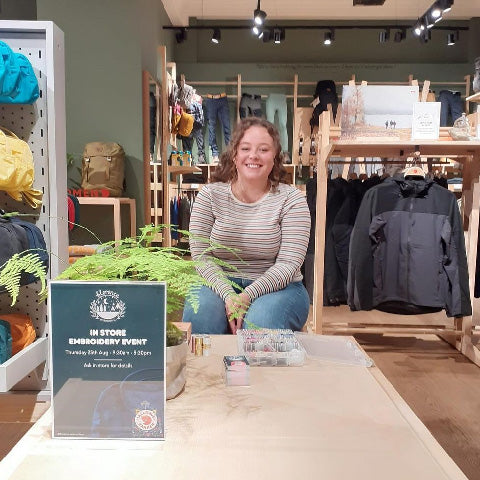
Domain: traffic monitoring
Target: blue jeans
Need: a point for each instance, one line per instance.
(277, 103)
(451, 107)
(187, 143)
(286, 308)
(217, 108)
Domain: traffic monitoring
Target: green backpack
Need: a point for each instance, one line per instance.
(103, 167)
(5, 341)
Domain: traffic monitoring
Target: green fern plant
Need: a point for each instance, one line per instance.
(11, 271)
(136, 259)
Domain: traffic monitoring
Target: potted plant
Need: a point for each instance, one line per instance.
(135, 259)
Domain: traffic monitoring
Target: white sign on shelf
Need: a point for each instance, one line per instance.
(426, 121)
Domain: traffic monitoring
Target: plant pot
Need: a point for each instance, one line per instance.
(176, 369)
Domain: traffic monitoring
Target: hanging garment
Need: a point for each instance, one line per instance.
(250, 105)
(326, 93)
(407, 250)
(277, 104)
(217, 107)
(451, 107)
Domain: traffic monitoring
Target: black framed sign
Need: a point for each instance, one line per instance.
(107, 344)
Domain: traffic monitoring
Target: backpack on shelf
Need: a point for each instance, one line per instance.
(13, 239)
(5, 341)
(18, 82)
(37, 245)
(17, 169)
(103, 167)
(18, 235)
(22, 330)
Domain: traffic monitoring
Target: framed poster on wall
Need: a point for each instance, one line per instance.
(108, 359)
(377, 112)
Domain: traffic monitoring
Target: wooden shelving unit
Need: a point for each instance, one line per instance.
(465, 152)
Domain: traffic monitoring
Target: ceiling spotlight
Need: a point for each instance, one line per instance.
(418, 28)
(425, 36)
(400, 35)
(445, 5)
(181, 35)
(451, 39)
(428, 22)
(267, 35)
(217, 36)
(436, 10)
(277, 35)
(384, 36)
(256, 30)
(259, 15)
(329, 37)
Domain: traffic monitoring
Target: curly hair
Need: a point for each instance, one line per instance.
(226, 170)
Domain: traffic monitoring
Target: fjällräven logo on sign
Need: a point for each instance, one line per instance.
(146, 423)
(107, 306)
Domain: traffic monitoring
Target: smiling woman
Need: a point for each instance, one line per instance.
(265, 223)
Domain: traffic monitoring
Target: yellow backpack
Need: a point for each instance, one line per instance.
(16, 169)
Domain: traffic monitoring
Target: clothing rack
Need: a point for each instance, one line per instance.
(467, 153)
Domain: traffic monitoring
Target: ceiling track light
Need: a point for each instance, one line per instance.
(384, 36)
(400, 35)
(445, 5)
(432, 16)
(259, 15)
(278, 35)
(418, 28)
(435, 11)
(267, 35)
(328, 37)
(451, 39)
(181, 35)
(217, 36)
(426, 36)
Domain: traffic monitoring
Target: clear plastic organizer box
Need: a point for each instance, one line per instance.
(270, 347)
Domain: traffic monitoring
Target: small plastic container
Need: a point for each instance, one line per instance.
(271, 348)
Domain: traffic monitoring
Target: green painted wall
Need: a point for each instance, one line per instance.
(107, 45)
(18, 10)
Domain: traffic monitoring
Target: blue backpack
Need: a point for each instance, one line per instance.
(17, 78)
(9, 69)
(5, 341)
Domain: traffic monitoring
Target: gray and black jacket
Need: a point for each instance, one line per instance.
(407, 250)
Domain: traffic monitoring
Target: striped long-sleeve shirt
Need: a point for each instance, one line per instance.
(270, 237)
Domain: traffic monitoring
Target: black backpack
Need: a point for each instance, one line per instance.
(13, 239)
(16, 236)
(36, 243)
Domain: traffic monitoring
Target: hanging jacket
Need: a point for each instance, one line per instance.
(407, 250)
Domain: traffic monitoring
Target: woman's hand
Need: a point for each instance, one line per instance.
(236, 307)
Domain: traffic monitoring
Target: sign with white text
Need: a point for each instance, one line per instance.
(108, 359)
(426, 121)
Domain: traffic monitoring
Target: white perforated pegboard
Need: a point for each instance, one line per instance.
(42, 126)
(29, 122)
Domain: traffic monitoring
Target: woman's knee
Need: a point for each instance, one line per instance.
(286, 308)
(209, 315)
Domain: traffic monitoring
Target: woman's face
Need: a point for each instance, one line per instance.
(255, 155)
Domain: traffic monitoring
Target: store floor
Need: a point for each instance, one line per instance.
(441, 386)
